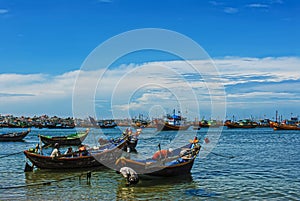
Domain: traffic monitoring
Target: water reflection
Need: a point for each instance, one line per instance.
(41, 176)
(154, 187)
(266, 167)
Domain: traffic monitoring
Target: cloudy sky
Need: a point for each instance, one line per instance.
(253, 47)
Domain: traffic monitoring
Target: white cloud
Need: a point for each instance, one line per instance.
(276, 1)
(40, 86)
(257, 5)
(169, 84)
(216, 3)
(230, 10)
(3, 11)
(105, 1)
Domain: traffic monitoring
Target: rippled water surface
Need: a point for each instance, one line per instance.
(251, 164)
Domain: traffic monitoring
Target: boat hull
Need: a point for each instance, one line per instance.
(106, 156)
(165, 168)
(9, 137)
(108, 126)
(160, 171)
(168, 127)
(64, 140)
(240, 126)
(285, 127)
(46, 162)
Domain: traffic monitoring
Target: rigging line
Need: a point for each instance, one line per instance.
(14, 172)
(225, 156)
(48, 182)
(11, 154)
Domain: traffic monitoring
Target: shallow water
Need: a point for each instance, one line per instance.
(265, 165)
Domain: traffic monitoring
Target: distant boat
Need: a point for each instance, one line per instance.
(14, 136)
(210, 124)
(175, 165)
(60, 126)
(246, 123)
(72, 139)
(264, 123)
(109, 123)
(286, 127)
(172, 122)
(292, 124)
(140, 122)
(18, 125)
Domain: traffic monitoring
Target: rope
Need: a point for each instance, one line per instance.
(225, 156)
(88, 173)
(11, 154)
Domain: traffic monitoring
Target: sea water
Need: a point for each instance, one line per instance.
(245, 164)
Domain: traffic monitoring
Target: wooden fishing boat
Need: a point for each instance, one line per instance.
(292, 124)
(264, 123)
(108, 123)
(73, 139)
(131, 140)
(14, 136)
(286, 127)
(103, 155)
(246, 123)
(60, 126)
(172, 122)
(209, 123)
(175, 165)
(140, 122)
(168, 127)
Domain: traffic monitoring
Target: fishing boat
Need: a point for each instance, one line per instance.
(59, 126)
(286, 127)
(14, 136)
(18, 125)
(131, 141)
(292, 124)
(246, 123)
(73, 139)
(172, 122)
(140, 122)
(264, 123)
(103, 155)
(210, 123)
(179, 163)
(108, 123)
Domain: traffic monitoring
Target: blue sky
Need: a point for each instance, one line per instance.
(49, 40)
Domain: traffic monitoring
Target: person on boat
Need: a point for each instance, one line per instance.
(128, 131)
(82, 150)
(55, 152)
(69, 152)
(194, 142)
(162, 154)
(130, 175)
